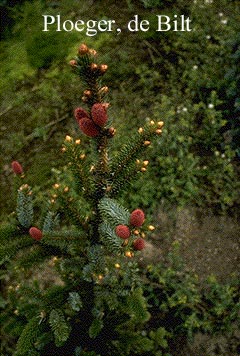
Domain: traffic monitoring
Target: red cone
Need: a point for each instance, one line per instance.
(88, 127)
(99, 114)
(35, 233)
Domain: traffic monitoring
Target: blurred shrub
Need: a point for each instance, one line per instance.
(232, 92)
(180, 307)
(190, 164)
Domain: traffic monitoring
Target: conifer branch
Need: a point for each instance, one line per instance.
(109, 239)
(26, 345)
(77, 163)
(112, 212)
(122, 164)
(25, 206)
(10, 249)
(59, 326)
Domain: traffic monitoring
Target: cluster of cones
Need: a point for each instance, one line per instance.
(91, 124)
(137, 218)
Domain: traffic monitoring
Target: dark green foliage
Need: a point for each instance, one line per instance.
(232, 103)
(180, 307)
(46, 55)
(137, 305)
(27, 343)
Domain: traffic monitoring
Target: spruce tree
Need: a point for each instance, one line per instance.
(96, 304)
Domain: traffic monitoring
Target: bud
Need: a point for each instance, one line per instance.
(103, 90)
(35, 233)
(17, 167)
(160, 124)
(139, 244)
(93, 66)
(129, 254)
(73, 63)
(111, 131)
(117, 265)
(99, 114)
(123, 231)
(137, 217)
(68, 138)
(136, 232)
(108, 188)
(151, 227)
(66, 189)
(152, 122)
(106, 105)
(80, 113)
(87, 93)
(82, 156)
(147, 143)
(140, 130)
(83, 49)
(103, 68)
(145, 163)
(88, 127)
(23, 187)
(93, 52)
(158, 131)
(143, 169)
(77, 142)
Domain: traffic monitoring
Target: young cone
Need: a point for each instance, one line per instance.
(35, 233)
(16, 167)
(88, 127)
(99, 114)
(123, 231)
(80, 113)
(139, 244)
(137, 217)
